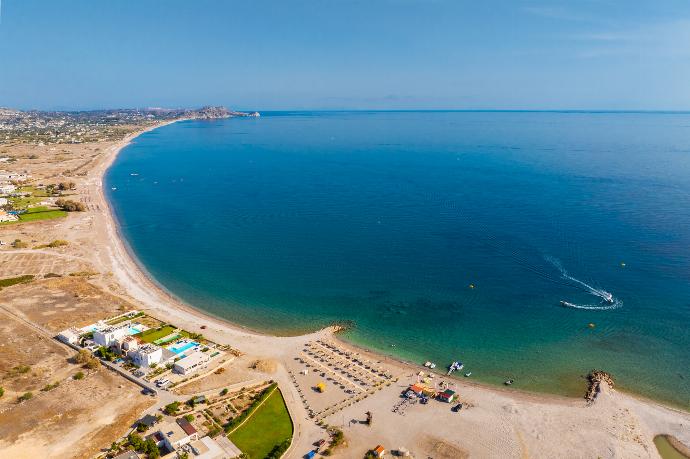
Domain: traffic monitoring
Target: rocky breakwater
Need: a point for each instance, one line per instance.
(596, 379)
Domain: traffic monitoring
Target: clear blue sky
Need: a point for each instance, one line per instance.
(331, 54)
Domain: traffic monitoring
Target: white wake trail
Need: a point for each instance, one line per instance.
(603, 294)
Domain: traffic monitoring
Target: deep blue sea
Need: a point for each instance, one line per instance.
(440, 235)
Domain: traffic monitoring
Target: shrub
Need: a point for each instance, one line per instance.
(58, 243)
(25, 397)
(2, 391)
(18, 244)
(224, 391)
(79, 375)
(278, 450)
(50, 387)
(172, 408)
(70, 206)
(189, 417)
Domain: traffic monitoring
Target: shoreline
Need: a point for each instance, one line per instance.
(165, 301)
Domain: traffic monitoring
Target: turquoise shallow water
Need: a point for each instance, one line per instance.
(291, 221)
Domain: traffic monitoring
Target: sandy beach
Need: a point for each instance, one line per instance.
(495, 422)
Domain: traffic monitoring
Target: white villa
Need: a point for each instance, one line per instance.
(111, 335)
(191, 363)
(147, 355)
(6, 188)
(69, 336)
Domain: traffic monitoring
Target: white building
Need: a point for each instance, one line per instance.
(173, 435)
(6, 188)
(191, 363)
(110, 335)
(3, 201)
(208, 448)
(129, 344)
(5, 217)
(69, 336)
(147, 355)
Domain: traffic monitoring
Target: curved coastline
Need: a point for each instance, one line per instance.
(142, 286)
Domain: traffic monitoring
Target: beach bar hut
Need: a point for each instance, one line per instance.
(447, 396)
(321, 387)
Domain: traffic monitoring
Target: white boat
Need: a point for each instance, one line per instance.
(607, 297)
(432, 366)
(468, 374)
(427, 364)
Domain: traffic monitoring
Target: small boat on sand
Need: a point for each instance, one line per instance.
(509, 382)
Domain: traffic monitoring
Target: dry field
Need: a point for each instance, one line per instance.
(59, 303)
(30, 359)
(235, 372)
(53, 162)
(74, 420)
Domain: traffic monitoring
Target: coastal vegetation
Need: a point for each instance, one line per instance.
(53, 244)
(70, 206)
(15, 280)
(265, 429)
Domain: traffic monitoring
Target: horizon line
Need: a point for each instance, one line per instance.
(381, 110)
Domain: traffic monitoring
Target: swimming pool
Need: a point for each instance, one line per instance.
(183, 347)
(134, 330)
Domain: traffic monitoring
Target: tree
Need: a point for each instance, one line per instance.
(135, 441)
(79, 375)
(26, 396)
(151, 449)
(172, 408)
(70, 206)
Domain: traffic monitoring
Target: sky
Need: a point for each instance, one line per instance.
(346, 54)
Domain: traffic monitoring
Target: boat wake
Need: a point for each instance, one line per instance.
(609, 301)
(593, 307)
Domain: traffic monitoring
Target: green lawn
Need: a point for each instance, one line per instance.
(38, 213)
(151, 335)
(267, 427)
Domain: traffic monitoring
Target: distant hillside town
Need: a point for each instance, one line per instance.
(51, 127)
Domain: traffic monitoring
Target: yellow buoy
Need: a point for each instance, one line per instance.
(591, 325)
(471, 285)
